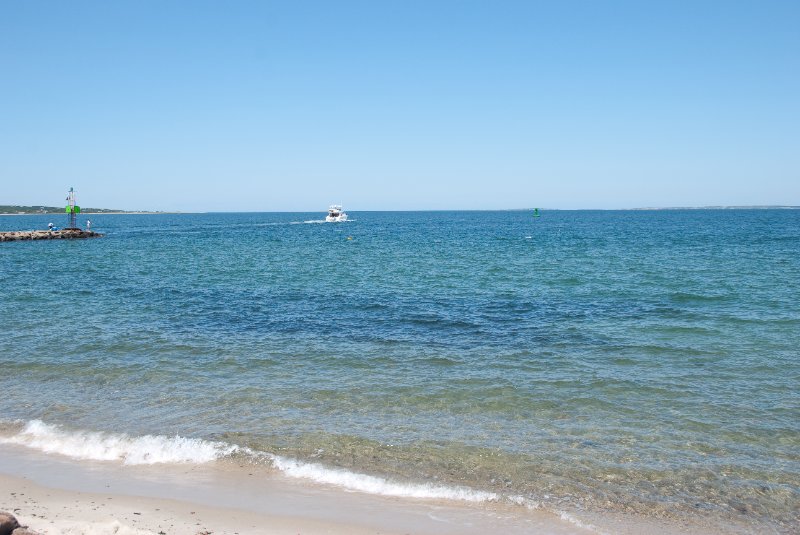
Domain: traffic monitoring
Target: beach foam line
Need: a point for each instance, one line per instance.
(155, 449)
(376, 485)
(574, 521)
(99, 446)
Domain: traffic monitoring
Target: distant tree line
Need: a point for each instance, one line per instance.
(15, 209)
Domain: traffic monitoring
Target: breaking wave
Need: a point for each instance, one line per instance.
(98, 446)
(376, 485)
(155, 449)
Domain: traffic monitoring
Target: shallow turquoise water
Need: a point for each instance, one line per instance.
(639, 360)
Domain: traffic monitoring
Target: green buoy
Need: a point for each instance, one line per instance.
(535, 212)
(72, 209)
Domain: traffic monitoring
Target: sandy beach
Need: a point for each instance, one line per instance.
(400, 268)
(57, 511)
(55, 495)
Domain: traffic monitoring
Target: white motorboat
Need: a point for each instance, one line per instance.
(335, 214)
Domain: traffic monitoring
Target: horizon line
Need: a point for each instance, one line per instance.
(642, 208)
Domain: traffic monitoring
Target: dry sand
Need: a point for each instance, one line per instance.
(60, 512)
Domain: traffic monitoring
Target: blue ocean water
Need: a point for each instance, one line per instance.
(640, 361)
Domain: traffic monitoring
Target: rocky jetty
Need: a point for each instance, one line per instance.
(63, 234)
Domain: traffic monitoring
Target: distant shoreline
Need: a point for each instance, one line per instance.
(715, 208)
(99, 213)
(639, 209)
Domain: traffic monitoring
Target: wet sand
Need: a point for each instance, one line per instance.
(54, 495)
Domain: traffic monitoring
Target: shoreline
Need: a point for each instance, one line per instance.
(720, 208)
(55, 495)
(231, 483)
(102, 213)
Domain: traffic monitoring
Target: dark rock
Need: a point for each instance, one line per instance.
(48, 234)
(8, 523)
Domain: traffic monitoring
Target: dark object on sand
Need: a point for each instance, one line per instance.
(8, 523)
(10, 526)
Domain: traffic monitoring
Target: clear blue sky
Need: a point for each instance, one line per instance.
(266, 106)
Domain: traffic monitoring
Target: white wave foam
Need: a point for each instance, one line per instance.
(154, 449)
(376, 485)
(147, 449)
(574, 521)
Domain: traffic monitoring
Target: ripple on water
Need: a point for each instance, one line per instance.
(583, 368)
